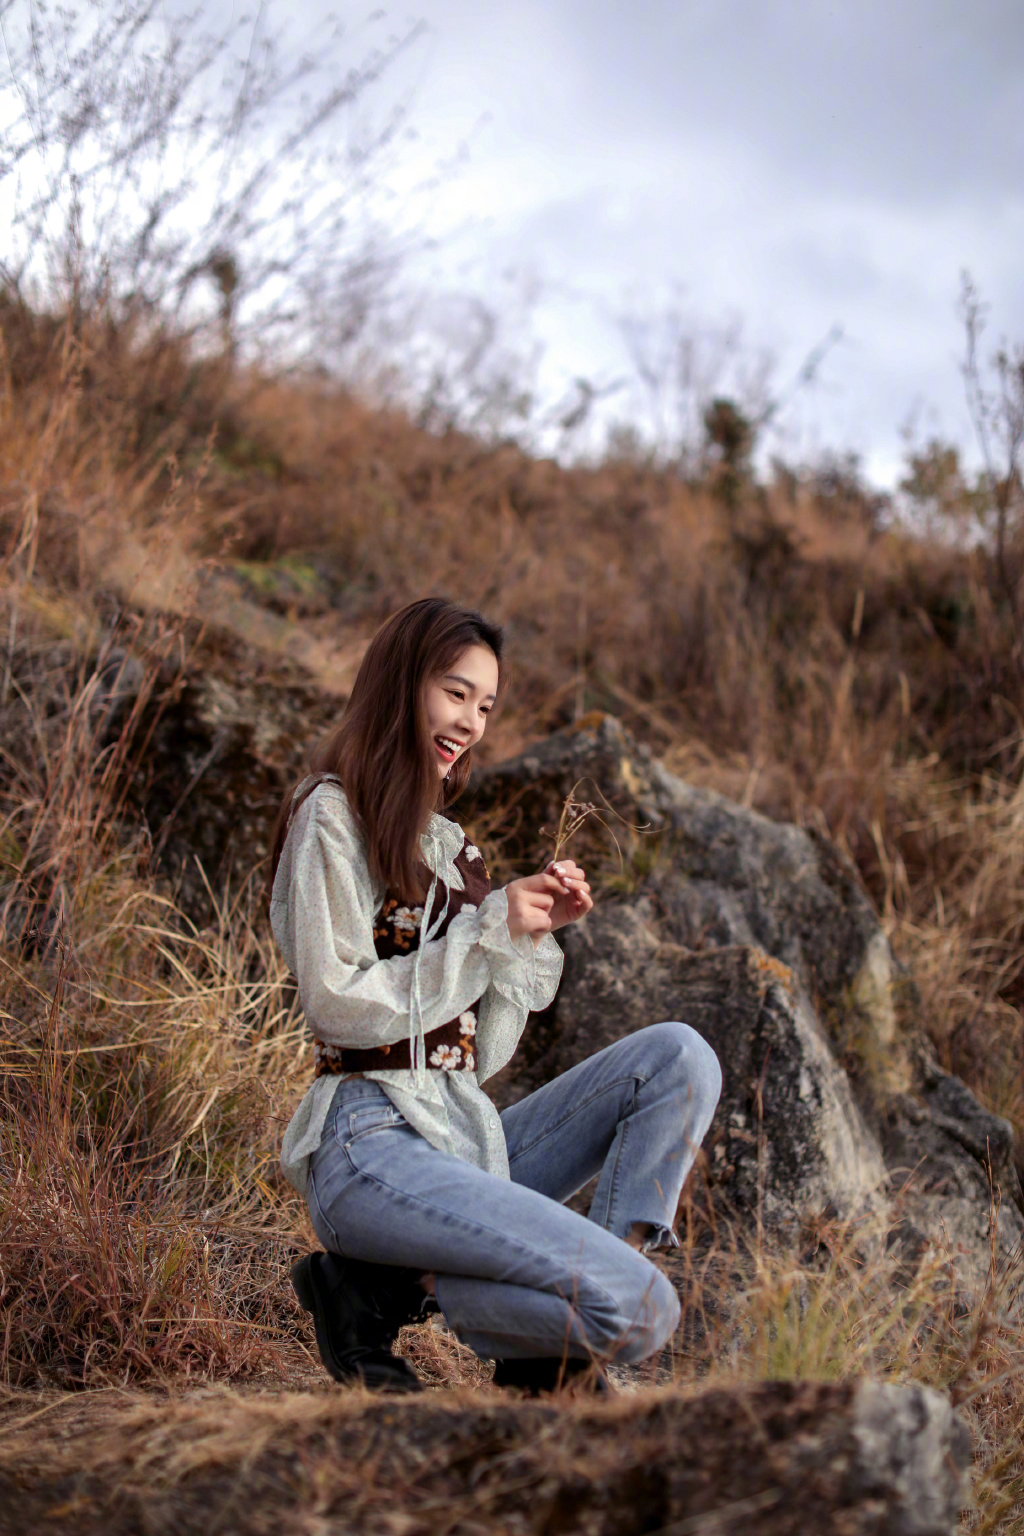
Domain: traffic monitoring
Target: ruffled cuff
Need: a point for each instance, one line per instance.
(547, 973)
(524, 973)
(512, 962)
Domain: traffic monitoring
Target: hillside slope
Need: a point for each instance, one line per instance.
(192, 559)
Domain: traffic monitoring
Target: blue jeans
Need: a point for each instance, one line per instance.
(518, 1274)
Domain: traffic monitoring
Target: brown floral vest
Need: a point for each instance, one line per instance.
(396, 931)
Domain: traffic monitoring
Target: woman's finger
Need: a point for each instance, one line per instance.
(566, 869)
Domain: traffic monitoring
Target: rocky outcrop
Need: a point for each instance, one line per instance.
(225, 737)
(758, 933)
(788, 1137)
(782, 1459)
(717, 873)
(761, 936)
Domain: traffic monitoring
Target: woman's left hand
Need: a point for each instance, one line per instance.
(577, 900)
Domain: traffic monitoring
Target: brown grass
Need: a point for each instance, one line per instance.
(788, 650)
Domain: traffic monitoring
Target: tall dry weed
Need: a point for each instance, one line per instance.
(144, 1066)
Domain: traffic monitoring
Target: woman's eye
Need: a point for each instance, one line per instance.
(456, 695)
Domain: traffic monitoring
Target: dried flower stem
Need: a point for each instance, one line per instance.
(575, 812)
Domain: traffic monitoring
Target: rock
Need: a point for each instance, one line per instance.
(911, 1452)
(975, 1245)
(788, 1140)
(214, 729)
(761, 936)
(225, 739)
(781, 1459)
(719, 874)
(955, 1184)
(928, 1133)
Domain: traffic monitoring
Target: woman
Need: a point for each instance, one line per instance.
(416, 980)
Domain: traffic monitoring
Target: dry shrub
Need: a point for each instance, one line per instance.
(143, 1223)
(145, 1066)
(840, 1306)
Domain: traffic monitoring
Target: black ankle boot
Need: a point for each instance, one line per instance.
(548, 1373)
(357, 1310)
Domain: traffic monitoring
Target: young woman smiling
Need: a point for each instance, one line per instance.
(416, 979)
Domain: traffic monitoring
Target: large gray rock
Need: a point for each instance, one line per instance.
(213, 736)
(761, 936)
(954, 1179)
(911, 1453)
(944, 1141)
(225, 736)
(788, 1141)
(717, 873)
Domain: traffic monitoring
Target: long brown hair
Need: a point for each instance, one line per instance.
(381, 749)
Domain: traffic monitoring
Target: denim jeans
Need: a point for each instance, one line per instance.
(518, 1274)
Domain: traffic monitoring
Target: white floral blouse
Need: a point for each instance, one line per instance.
(322, 912)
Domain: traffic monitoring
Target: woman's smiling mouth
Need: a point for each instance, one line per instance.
(448, 748)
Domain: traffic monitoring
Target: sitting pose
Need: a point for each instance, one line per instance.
(416, 979)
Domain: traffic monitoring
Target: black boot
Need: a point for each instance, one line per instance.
(357, 1310)
(548, 1373)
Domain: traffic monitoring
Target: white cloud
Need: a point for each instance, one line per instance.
(795, 163)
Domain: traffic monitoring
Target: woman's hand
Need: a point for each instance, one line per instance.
(541, 903)
(576, 901)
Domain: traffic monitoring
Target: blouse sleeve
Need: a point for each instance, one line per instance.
(510, 999)
(322, 914)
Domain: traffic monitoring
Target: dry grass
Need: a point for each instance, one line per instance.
(824, 1317)
(467, 1463)
(143, 1070)
(788, 651)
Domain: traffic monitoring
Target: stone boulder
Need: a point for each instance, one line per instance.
(761, 936)
(954, 1180)
(788, 1138)
(716, 872)
(225, 736)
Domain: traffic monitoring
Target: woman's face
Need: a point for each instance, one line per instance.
(457, 704)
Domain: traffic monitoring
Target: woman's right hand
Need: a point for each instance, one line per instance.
(529, 905)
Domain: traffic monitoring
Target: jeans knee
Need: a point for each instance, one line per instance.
(689, 1054)
(649, 1319)
(644, 1317)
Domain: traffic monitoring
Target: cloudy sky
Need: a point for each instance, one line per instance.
(791, 164)
(795, 168)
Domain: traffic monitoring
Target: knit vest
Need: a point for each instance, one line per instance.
(396, 931)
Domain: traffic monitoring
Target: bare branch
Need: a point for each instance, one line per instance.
(140, 154)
